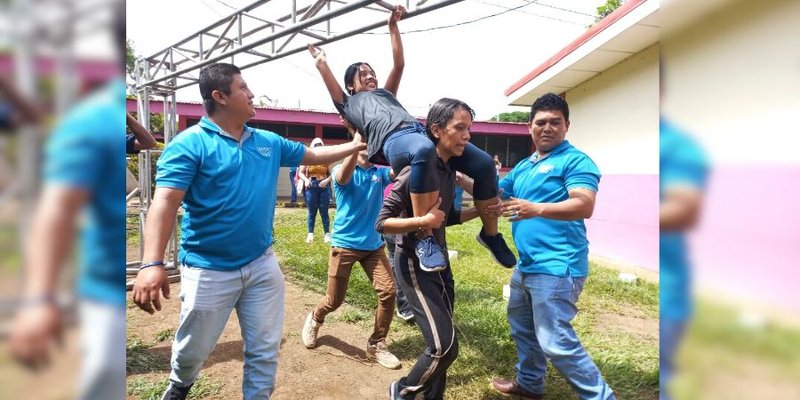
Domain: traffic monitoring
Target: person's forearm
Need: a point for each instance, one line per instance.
(567, 210)
(398, 61)
(301, 175)
(468, 214)
(677, 214)
(345, 172)
(159, 225)
(403, 225)
(398, 58)
(330, 82)
(47, 247)
(145, 139)
(329, 154)
(29, 111)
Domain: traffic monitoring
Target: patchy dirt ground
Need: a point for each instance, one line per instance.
(336, 369)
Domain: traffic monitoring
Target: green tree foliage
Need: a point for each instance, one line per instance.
(130, 58)
(156, 123)
(514, 116)
(607, 8)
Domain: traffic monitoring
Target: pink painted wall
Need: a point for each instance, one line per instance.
(747, 243)
(624, 226)
(90, 70)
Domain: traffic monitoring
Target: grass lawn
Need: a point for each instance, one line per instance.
(610, 311)
(723, 358)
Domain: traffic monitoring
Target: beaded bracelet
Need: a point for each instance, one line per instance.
(37, 300)
(151, 264)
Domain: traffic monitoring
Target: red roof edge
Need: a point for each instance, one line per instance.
(622, 11)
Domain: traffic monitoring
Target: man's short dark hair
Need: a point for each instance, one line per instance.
(216, 77)
(549, 102)
(442, 112)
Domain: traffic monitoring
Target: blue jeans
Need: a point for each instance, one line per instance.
(318, 199)
(400, 298)
(207, 299)
(292, 174)
(670, 334)
(540, 310)
(458, 198)
(412, 146)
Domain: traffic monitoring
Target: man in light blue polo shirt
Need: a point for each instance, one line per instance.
(358, 187)
(225, 174)
(550, 194)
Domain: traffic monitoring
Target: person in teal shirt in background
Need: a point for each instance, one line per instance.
(682, 181)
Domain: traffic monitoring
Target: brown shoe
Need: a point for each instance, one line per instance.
(511, 388)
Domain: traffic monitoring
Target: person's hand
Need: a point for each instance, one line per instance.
(34, 329)
(324, 183)
(435, 217)
(145, 290)
(518, 209)
(358, 140)
(496, 210)
(317, 53)
(396, 15)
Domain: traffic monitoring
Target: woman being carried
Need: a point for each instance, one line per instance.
(396, 138)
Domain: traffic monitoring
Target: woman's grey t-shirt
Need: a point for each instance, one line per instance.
(376, 114)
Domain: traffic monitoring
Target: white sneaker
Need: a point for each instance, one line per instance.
(327, 238)
(310, 331)
(380, 353)
(309, 237)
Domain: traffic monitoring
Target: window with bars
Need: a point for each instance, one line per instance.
(335, 132)
(510, 149)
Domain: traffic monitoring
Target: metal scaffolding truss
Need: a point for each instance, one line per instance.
(258, 33)
(266, 31)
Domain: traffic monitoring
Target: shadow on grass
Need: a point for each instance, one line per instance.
(346, 348)
(158, 358)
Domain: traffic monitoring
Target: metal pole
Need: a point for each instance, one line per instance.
(28, 161)
(298, 27)
(143, 109)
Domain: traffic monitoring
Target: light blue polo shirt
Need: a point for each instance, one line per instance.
(86, 152)
(231, 190)
(682, 163)
(549, 246)
(357, 206)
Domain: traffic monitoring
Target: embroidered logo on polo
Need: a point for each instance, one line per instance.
(265, 151)
(545, 168)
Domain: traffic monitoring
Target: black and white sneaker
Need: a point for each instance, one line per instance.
(498, 249)
(405, 315)
(176, 393)
(394, 391)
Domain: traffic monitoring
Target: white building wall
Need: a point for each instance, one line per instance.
(734, 76)
(614, 115)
